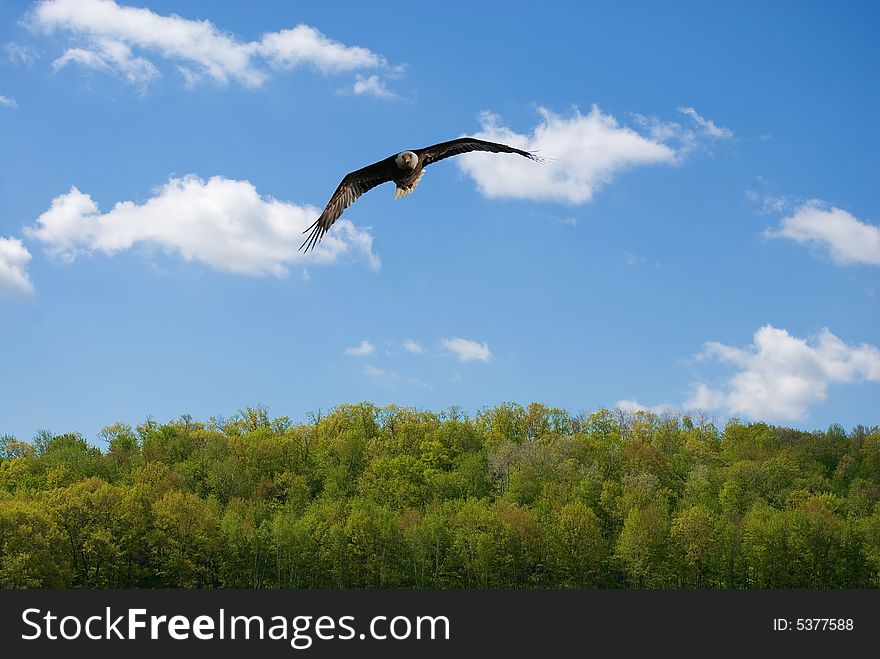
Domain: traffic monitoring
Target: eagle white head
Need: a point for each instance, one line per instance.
(406, 160)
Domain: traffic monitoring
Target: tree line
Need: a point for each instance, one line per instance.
(385, 497)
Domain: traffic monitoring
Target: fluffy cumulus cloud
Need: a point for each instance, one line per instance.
(584, 152)
(8, 102)
(14, 257)
(467, 350)
(302, 45)
(114, 37)
(221, 222)
(779, 376)
(363, 349)
(847, 239)
(372, 85)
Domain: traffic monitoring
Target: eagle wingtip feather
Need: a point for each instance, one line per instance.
(533, 155)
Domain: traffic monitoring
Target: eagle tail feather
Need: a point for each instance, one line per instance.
(405, 191)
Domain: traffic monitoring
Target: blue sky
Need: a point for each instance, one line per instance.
(706, 233)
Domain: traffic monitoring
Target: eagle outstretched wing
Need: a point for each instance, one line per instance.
(443, 150)
(353, 185)
(358, 182)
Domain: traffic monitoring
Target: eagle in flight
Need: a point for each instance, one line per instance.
(405, 169)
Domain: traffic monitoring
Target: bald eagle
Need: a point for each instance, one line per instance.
(405, 169)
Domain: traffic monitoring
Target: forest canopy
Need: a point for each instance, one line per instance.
(512, 497)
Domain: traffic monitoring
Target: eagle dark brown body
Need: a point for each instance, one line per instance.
(405, 169)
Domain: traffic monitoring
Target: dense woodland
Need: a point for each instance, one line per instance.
(513, 497)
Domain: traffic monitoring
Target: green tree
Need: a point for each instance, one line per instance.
(576, 546)
(186, 540)
(693, 532)
(89, 513)
(33, 549)
(642, 546)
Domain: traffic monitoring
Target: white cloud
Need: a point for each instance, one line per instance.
(301, 45)
(770, 204)
(780, 376)
(773, 204)
(584, 153)
(373, 372)
(106, 32)
(413, 347)
(707, 126)
(19, 54)
(847, 239)
(222, 222)
(14, 257)
(394, 380)
(363, 349)
(631, 259)
(467, 350)
(685, 138)
(111, 56)
(633, 405)
(8, 102)
(371, 85)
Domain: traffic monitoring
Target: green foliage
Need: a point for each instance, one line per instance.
(32, 546)
(642, 546)
(391, 497)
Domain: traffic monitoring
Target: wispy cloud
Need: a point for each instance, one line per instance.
(773, 204)
(767, 202)
(363, 349)
(14, 257)
(584, 153)
(467, 350)
(8, 102)
(699, 133)
(413, 347)
(847, 239)
(393, 379)
(707, 126)
(221, 222)
(20, 54)
(105, 35)
(633, 405)
(779, 376)
(631, 259)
